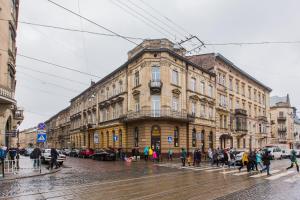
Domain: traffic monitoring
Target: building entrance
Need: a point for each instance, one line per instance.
(156, 138)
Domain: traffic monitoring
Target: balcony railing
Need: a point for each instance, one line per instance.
(262, 118)
(155, 86)
(282, 129)
(241, 112)
(158, 114)
(18, 115)
(281, 118)
(6, 95)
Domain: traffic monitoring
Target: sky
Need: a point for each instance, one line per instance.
(213, 21)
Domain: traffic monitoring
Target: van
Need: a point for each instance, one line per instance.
(275, 152)
(286, 153)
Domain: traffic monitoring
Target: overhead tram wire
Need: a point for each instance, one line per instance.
(72, 29)
(91, 21)
(253, 43)
(53, 64)
(135, 15)
(53, 75)
(146, 18)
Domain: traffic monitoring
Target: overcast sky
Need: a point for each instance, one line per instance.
(213, 21)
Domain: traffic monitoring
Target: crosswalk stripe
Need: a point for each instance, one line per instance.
(293, 179)
(218, 169)
(265, 174)
(232, 171)
(241, 173)
(277, 176)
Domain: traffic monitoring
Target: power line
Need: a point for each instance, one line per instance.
(137, 17)
(107, 29)
(53, 64)
(53, 75)
(72, 29)
(253, 43)
(46, 82)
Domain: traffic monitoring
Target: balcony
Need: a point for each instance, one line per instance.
(7, 96)
(155, 86)
(281, 118)
(241, 112)
(262, 118)
(282, 140)
(282, 129)
(163, 114)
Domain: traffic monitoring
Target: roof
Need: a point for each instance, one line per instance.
(207, 60)
(277, 99)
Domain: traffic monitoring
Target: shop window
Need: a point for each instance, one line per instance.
(194, 139)
(136, 137)
(176, 137)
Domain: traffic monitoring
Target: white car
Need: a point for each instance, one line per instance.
(46, 156)
(286, 153)
(275, 152)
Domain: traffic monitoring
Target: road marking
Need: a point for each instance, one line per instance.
(271, 178)
(198, 169)
(232, 171)
(293, 179)
(265, 174)
(218, 169)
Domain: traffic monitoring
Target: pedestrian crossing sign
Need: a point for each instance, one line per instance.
(41, 138)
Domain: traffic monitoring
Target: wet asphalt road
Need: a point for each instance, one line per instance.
(88, 179)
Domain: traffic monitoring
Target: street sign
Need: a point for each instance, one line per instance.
(115, 138)
(41, 138)
(41, 126)
(41, 131)
(170, 139)
(96, 138)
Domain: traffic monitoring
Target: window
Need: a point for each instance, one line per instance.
(136, 79)
(259, 99)
(255, 96)
(107, 93)
(202, 110)
(230, 84)
(210, 112)
(263, 99)
(225, 121)
(107, 139)
(243, 89)
(202, 87)
(175, 103)
(221, 121)
(230, 103)
(193, 84)
(194, 139)
(222, 102)
(114, 90)
(120, 138)
(221, 79)
(155, 105)
(237, 86)
(121, 86)
(155, 73)
(244, 143)
(210, 91)
(137, 103)
(114, 112)
(193, 108)
(176, 137)
(237, 106)
(244, 105)
(175, 77)
(136, 137)
(249, 92)
(250, 110)
(238, 143)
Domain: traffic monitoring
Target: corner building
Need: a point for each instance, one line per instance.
(157, 98)
(242, 104)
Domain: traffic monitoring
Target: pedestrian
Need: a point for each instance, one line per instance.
(293, 159)
(154, 156)
(146, 153)
(215, 158)
(158, 153)
(209, 152)
(170, 154)
(245, 161)
(197, 157)
(183, 156)
(54, 155)
(35, 156)
(225, 158)
(133, 153)
(232, 159)
(252, 160)
(189, 159)
(267, 162)
(151, 153)
(258, 160)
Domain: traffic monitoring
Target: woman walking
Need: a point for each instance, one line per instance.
(245, 161)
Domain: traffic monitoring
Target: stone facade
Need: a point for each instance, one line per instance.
(282, 120)
(28, 137)
(242, 104)
(10, 115)
(161, 98)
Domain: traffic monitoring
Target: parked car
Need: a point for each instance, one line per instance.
(74, 153)
(46, 156)
(286, 153)
(28, 151)
(86, 153)
(275, 152)
(238, 157)
(104, 154)
(66, 152)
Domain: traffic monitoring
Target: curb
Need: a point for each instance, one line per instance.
(30, 176)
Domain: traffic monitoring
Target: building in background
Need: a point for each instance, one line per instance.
(282, 120)
(28, 137)
(296, 130)
(10, 115)
(242, 104)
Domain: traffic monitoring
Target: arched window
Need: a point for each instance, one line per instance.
(194, 139)
(102, 140)
(176, 137)
(203, 140)
(136, 137)
(120, 138)
(114, 138)
(210, 139)
(107, 139)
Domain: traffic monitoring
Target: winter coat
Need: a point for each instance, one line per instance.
(293, 156)
(245, 158)
(266, 159)
(258, 158)
(183, 154)
(146, 151)
(54, 154)
(150, 152)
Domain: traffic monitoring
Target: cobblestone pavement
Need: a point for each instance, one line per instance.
(88, 179)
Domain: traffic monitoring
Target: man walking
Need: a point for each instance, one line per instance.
(266, 161)
(183, 156)
(146, 153)
(54, 155)
(35, 155)
(293, 159)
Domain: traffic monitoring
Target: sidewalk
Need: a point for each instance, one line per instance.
(26, 170)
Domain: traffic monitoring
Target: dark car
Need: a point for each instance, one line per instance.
(104, 154)
(86, 153)
(74, 153)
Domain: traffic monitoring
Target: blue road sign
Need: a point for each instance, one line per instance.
(41, 138)
(41, 126)
(170, 139)
(115, 138)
